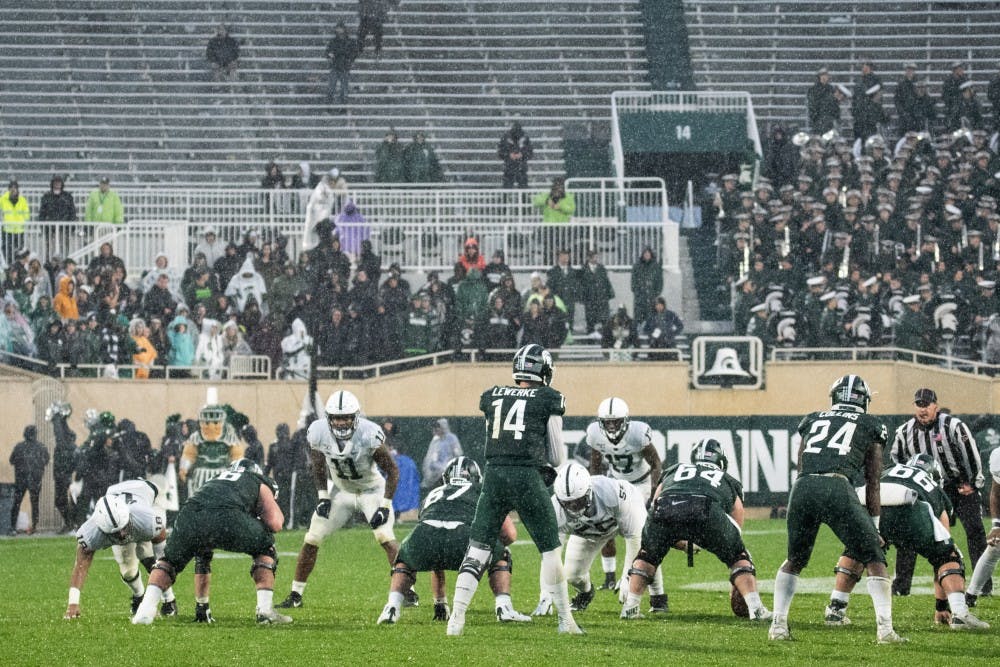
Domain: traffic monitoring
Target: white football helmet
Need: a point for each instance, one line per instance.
(343, 405)
(612, 417)
(111, 514)
(573, 488)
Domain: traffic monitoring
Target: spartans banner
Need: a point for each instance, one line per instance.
(762, 451)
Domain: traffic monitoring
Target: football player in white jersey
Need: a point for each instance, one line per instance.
(352, 449)
(987, 563)
(592, 510)
(625, 448)
(125, 520)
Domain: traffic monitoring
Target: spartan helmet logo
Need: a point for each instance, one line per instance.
(945, 319)
(727, 363)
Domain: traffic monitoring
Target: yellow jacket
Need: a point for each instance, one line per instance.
(15, 214)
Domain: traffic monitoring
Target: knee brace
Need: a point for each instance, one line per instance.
(638, 571)
(203, 563)
(507, 560)
(405, 570)
(960, 571)
(128, 580)
(471, 564)
(271, 553)
(167, 569)
(854, 576)
(740, 571)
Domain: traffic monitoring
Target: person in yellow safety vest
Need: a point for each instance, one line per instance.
(14, 211)
(103, 205)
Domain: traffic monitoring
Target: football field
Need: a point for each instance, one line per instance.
(348, 588)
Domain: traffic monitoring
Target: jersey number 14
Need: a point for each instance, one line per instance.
(513, 421)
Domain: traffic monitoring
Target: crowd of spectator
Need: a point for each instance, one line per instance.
(886, 239)
(331, 304)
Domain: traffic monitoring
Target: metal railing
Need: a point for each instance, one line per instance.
(853, 354)
(421, 228)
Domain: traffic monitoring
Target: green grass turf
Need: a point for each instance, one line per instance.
(348, 589)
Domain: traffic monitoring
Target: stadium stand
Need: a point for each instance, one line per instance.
(122, 88)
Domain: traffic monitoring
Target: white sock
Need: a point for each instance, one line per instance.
(956, 601)
(201, 599)
(633, 600)
(880, 588)
(147, 608)
(465, 583)
(609, 564)
(396, 599)
(265, 600)
(298, 587)
(656, 585)
(135, 584)
(840, 596)
(985, 566)
(168, 595)
(784, 591)
(754, 603)
(555, 581)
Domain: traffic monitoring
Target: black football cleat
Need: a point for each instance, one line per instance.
(582, 600)
(293, 601)
(169, 608)
(410, 598)
(136, 601)
(202, 614)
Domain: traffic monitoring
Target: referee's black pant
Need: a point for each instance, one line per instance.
(968, 510)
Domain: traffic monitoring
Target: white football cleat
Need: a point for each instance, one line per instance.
(762, 614)
(570, 628)
(272, 618)
(631, 613)
(836, 615)
(890, 636)
(456, 623)
(544, 607)
(507, 614)
(139, 619)
(779, 632)
(967, 622)
(389, 615)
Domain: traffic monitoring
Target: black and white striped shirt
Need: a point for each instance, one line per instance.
(949, 441)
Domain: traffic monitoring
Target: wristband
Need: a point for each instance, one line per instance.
(74, 595)
(323, 494)
(386, 503)
(996, 523)
(941, 605)
(875, 521)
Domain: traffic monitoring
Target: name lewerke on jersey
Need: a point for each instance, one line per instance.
(350, 462)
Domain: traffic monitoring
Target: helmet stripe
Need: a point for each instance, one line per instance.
(111, 515)
(568, 471)
(340, 404)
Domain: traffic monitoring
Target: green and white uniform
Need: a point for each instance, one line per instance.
(523, 435)
(918, 525)
(835, 445)
(624, 458)
(203, 459)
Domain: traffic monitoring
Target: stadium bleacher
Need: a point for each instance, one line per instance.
(122, 88)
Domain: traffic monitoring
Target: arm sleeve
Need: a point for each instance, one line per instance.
(556, 448)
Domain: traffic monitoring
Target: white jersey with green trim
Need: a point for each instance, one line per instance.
(624, 458)
(351, 462)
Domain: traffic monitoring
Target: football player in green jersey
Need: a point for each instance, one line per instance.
(523, 443)
(235, 511)
(841, 449)
(439, 540)
(917, 513)
(699, 503)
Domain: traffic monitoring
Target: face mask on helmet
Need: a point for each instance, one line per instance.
(211, 421)
(709, 451)
(111, 515)
(929, 465)
(612, 417)
(573, 489)
(461, 471)
(342, 411)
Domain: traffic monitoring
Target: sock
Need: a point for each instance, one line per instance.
(555, 581)
(784, 591)
(396, 599)
(609, 564)
(633, 600)
(201, 600)
(147, 608)
(298, 587)
(503, 600)
(956, 601)
(265, 600)
(443, 600)
(840, 596)
(465, 588)
(656, 585)
(135, 583)
(881, 591)
(168, 595)
(754, 603)
(985, 566)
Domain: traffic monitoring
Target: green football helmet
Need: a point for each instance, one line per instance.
(929, 465)
(709, 450)
(851, 390)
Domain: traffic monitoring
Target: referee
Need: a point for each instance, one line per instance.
(950, 442)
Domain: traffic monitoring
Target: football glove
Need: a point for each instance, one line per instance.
(379, 518)
(544, 607)
(623, 589)
(323, 508)
(441, 611)
(548, 475)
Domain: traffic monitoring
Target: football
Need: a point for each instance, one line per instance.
(738, 604)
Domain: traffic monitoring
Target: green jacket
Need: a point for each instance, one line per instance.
(389, 165)
(471, 297)
(421, 165)
(104, 207)
(562, 212)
